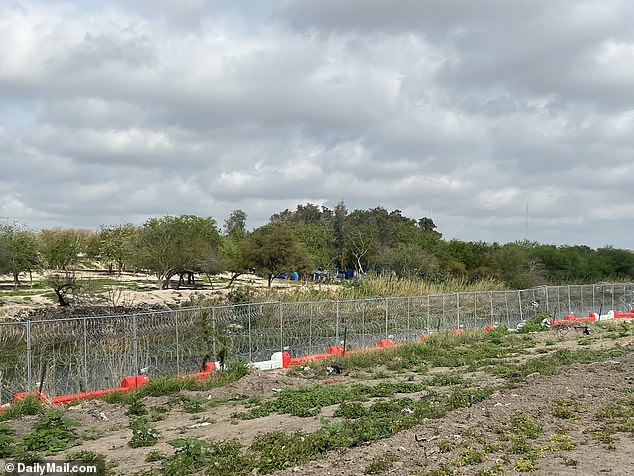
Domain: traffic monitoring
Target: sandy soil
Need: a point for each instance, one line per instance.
(146, 294)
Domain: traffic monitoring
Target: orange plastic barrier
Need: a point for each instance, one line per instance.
(35, 393)
(385, 343)
(332, 350)
(623, 315)
(203, 374)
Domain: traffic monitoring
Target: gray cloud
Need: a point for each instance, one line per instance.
(464, 111)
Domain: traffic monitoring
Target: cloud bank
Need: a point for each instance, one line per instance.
(500, 120)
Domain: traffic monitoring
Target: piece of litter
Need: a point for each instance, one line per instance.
(198, 425)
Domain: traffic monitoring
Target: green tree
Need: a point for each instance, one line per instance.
(116, 246)
(272, 249)
(236, 223)
(61, 247)
(340, 230)
(176, 244)
(514, 263)
(316, 239)
(19, 251)
(407, 260)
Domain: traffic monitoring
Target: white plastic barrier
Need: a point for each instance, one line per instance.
(276, 362)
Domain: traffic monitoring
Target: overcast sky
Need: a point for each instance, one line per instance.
(500, 119)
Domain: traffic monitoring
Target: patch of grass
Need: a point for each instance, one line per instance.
(495, 470)
(471, 457)
(559, 442)
(28, 405)
(194, 404)
(446, 446)
(89, 457)
(7, 441)
(566, 410)
(381, 463)
(524, 425)
(351, 410)
(153, 456)
(125, 398)
(137, 408)
(525, 466)
(91, 433)
(158, 413)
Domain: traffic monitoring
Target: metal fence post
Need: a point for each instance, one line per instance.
(475, 307)
(85, 354)
(311, 310)
(409, 327)
(29, 357)
(458, 309)
(250, 336)
(386, 317)
(281, 327)
(491, 301)
(506, 305)
(213, 331)
(363, 341)
(519, 302)
(569, 305)
(337, 322)
(178, 347)
(135, 350)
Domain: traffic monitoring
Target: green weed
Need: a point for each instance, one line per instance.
(28, 405)
(381, 463)
(51, 433)
(142, 433)
(565, 410)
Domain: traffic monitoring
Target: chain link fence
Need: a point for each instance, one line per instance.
(90, 353)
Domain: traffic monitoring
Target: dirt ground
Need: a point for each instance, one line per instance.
(592, 386)
(136, 290)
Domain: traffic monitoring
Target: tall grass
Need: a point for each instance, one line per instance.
(378, 286)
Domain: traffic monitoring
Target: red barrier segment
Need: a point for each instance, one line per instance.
(489, 328)
(203, 374)
(458, 331)
(307, 358)
(623, 315)
(127, 384)
(385, 343)
(35, 393)
(135, 381)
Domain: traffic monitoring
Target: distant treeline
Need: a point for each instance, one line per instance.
(313, 240)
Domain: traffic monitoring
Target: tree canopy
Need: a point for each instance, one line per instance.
(375, 241)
